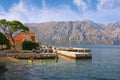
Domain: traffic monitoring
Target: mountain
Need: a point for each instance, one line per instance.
(77, 32)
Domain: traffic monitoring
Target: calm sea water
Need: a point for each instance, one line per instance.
(104, 65)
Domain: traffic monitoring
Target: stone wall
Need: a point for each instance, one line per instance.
(18, 45)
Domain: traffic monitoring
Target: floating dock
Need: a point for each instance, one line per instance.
(75, 53)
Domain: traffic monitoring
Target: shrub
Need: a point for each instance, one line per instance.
(29, 45)
(4, 41)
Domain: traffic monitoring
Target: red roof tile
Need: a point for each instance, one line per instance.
(22, 36)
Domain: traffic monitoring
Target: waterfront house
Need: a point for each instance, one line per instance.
(23, 36)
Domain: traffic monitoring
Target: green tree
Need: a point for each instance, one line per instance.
(10, 28)
(29, 45)
(4, 40)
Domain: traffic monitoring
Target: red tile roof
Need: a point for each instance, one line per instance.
(24, 36)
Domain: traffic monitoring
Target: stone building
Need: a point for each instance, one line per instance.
(23, 36)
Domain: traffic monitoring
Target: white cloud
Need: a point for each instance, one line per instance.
(26, 13)
(106, 10)
(81, 4)
(16, 12)
(108, 4)
(62, 14)
(2, 11)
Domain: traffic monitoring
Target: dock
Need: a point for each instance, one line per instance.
(28, 55)
(75, 53)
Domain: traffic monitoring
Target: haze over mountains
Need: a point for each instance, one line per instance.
(77, 32)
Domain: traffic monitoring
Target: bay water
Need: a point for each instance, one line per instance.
(104, 65)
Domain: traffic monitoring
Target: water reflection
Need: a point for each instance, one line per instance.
(2, 71)
(30, 63)
(15, 71)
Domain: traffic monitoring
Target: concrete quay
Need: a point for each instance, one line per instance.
(28, 55)
(75, 53)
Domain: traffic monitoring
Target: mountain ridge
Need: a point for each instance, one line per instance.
(77, 32)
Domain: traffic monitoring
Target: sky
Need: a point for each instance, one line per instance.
(39, 11)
